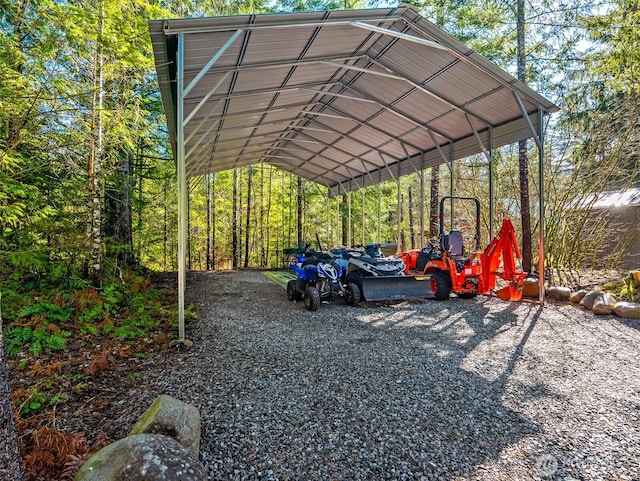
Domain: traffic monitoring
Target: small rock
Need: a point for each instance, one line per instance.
(628, 310)
(173, 418)
(559, 293)
(589, 298)
(604, 304)
(578, 295)
(143, 457)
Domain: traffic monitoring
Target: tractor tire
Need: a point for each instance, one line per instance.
(311, 298)
(443, 285)
(353, 296)
(292, 293)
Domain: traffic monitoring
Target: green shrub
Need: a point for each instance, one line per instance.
(35, 341)
(48, 311)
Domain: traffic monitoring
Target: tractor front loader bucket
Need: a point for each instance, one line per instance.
(385, 288)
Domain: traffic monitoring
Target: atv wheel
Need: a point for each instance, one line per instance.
(442, 284)
(311, 298)
(353, 295)
(292, 293)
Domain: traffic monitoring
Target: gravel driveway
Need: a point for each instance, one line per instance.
(453, 390)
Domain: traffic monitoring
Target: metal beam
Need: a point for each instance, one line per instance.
(396, 34)
(421, 86)
(540, 136)
(210, 63)
(482, 147)
(391, 109)
(537, 138)
(169, 30)
(182, 189)
(492, 202)
(205, 98)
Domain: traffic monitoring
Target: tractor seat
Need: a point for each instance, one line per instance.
(453, 244)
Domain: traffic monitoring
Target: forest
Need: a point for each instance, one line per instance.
(88, 190)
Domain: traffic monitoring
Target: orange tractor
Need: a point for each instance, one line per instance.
(452, 270)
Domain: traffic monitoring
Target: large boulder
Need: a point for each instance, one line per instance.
(173, 418)
(559, 293)
(577, 296)
(604, 304)
(628, 310)
(530, 288)
(143, 457)
(589, 298)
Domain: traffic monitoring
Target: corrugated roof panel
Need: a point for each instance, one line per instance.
(330, 41)
(378, 88)
(421, 106)
(416, 62)
(200, 48)
(455, 125)
(395, 124)
(461, 84)
(276, 45)
(351, 147)
(490, 106)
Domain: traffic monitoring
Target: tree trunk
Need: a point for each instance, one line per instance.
(214, 222)
(434, 220)
(140, 205)
(345, 221)
(402, 240)
(525, 207)
(235, 246)
(412, 231)
(165, 216)
(95, 162)
(290, 209)
(261, 229)
(247, 224)
(267, 241)
(118, 225)
(207, 187)
(10, 460)
(188, 226)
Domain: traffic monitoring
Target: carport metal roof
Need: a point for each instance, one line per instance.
(343, 98)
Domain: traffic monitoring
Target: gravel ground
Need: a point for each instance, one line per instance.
(454, 390)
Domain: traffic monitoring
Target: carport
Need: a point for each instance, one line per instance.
(346, 99)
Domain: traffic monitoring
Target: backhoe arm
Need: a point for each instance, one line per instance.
(502, 258)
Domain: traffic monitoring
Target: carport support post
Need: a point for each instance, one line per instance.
(399, 215)
(379, 209)
(491, 186)
(349, 224)
(422, 236)
(541, 205)
(182, 188)
(451, 183)
(364, 235)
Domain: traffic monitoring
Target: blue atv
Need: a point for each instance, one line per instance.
(318, 277)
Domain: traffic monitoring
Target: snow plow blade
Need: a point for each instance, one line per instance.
(386, 288)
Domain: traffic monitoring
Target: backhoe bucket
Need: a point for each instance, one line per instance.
(385, 288)
(510, 293)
